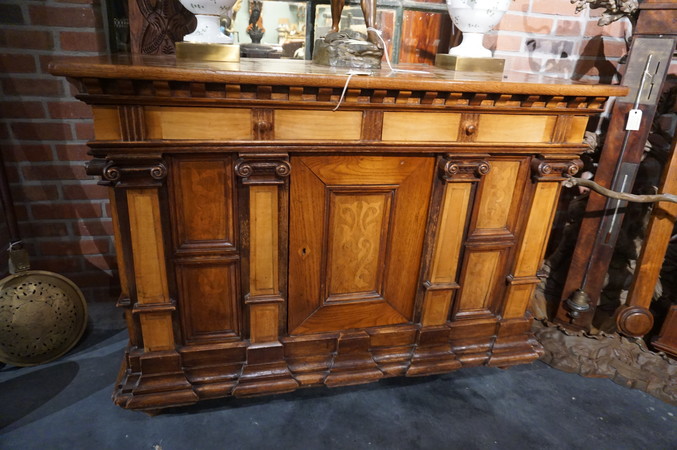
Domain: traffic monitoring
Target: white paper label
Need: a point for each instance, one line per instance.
(634, 119)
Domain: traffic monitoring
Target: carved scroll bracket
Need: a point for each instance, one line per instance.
(472, 168)
(263, 168)
(550, 169)
(129, 170)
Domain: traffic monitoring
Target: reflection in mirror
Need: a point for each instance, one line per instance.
(282, 24)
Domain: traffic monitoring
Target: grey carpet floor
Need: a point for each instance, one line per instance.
(66, 405)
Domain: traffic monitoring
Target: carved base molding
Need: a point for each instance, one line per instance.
(330, 359)
(625, 361)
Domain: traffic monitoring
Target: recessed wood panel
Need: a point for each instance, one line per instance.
(263, 231)
(498, 187)
(208, 300)
(203, 196)
(358, 228)
(147, 246)
(576, 131)
(106, 123)
(515, 128)
(198, 123)
(416, 127)
(317, 125)
(372, 187)
(481, 270)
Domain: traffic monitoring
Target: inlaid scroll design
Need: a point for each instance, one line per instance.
(452, 170)
(134, 170)
(553, 170)
(263, 169)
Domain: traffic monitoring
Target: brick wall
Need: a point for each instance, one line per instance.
(63, 214)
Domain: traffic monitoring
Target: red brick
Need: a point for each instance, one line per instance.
(37, 40)
(101, 262)
(57, 264)
(21, 212)
(22, 110)
(561, 7)
(28, 152)
(102, 227)
(41, 131)
(47, 87)
(25, 193)
(514, 22)
(63, 16)
(69, 110)
(17, 63)
(82, 41)
(81, 2)
(503, 43)
(66, 211)
(520, 5)
(4, 131)
(614, 29)
(74, 247)
(11, 14)
(603, 48)
(54, 172)
(568, 28)
(36, 229)
(72, 152)
(84, 131)
(85, 192)
(523, 64)
(12, 172)
(94, 279)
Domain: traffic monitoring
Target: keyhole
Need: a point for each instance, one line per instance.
(304, 251)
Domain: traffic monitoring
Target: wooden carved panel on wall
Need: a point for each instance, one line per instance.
(156, 25)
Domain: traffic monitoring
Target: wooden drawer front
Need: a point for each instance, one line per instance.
(317, 125)
(515, 128)
(202, 202)
(357, 225)
(198, 123)
(416, 127)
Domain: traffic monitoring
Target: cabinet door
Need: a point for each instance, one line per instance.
(357, 225)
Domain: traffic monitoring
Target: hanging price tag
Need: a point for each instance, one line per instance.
(634, 119)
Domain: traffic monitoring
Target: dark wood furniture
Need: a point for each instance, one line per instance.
(267, 243)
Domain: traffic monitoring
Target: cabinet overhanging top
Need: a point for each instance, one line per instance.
(304, 73)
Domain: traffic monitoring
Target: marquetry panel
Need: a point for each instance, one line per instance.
(479, 280)
(364, 230)
(263, 320)
(358, 228)
(497, 195)
(263, 232)
(576, 131)
(202, 192)
(317, 125)
(147, 246)
(157, 331)
(106, 123)
(416, 127)
(198, 123)
(208, 300)
(515, 128)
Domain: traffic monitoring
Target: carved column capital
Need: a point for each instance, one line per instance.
(263, 168)
(554, 169)
(137, 170)
(458, 170)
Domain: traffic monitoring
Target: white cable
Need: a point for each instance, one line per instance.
(385, 51)
(345, 88)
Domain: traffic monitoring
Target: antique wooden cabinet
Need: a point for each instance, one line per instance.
(266, 242)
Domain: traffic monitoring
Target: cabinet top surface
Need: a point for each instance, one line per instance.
(304, 73)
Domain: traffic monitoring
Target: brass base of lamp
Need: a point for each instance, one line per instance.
(466, 64)
(199, 51)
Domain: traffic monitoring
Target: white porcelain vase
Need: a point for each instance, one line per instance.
(474, 18)
(208, 13)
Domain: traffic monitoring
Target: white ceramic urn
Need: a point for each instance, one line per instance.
(474, 18)
(208, 13)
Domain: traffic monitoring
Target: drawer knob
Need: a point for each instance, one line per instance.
(263, 126)
(470, 129)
